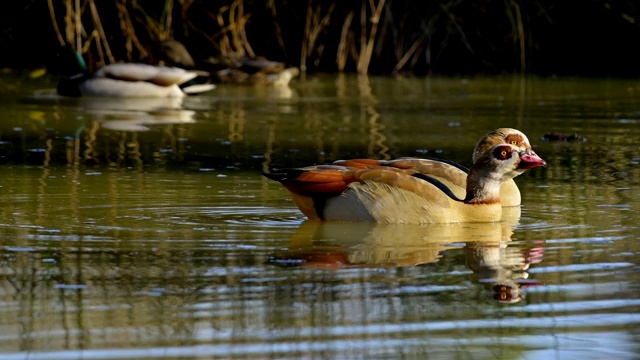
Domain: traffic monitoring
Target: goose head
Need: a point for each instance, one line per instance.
(496, 165)
(503, 136)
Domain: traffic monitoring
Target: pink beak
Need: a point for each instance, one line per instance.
(529, 160)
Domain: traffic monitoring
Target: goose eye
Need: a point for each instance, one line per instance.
(502, 152)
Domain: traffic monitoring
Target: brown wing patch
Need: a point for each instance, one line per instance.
(321, 181)
(357, 163)
(310, 181)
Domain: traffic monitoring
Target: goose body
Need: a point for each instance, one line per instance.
(130, 80)
(454, 175)
(359, 191)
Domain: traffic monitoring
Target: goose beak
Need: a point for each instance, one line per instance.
(529, 160)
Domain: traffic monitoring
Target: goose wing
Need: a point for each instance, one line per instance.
(452, 175)
(332, 180)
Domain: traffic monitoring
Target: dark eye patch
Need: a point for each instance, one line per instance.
(502, 152)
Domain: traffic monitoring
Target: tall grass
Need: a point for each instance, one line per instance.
(360, 36)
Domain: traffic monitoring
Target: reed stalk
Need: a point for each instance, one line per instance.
(54, 22)
(314, 25)
(232, 37)
(128, 30)
(381, 33)
(419, 46)
(69, 23)
(366, 43)
(519, 37)
(410, 53)
(238, 32)
(224, 43)
(346, 42)
(271, 4)
(101, 40)
(78, 24)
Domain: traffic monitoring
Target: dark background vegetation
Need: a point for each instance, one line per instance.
(544, 37)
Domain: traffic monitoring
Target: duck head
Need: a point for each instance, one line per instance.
(69, 62)
(71, 65)
(495, 166)
(504, 136)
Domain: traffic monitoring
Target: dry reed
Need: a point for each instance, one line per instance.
(354, 35)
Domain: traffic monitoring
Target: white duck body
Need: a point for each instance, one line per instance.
(125, 80)
(136, 80)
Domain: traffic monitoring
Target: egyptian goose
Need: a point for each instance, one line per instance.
(396, 194)
(125, 80)
(454, 175)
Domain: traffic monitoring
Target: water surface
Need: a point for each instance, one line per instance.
(143, 229)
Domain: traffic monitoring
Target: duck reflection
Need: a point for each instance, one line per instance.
(496, 262)
(124, 114)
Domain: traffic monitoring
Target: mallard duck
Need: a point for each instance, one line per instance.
(125, 79)
(454, 175)
(396, 194)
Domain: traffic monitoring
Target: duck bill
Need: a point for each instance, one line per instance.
(529, 160)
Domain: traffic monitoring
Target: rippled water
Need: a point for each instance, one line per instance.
(129, 231)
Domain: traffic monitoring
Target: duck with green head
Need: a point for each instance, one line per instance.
(124, 79)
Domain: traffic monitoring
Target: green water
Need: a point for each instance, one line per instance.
(128, 230)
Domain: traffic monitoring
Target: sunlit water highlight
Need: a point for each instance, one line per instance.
(138, 234)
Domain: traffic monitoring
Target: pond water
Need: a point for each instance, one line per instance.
(143, 229)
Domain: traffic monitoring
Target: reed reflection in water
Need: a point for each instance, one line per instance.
(126, 235)
(201, 285)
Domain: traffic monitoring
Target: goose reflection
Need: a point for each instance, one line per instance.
(502, 268)
(496, 262)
